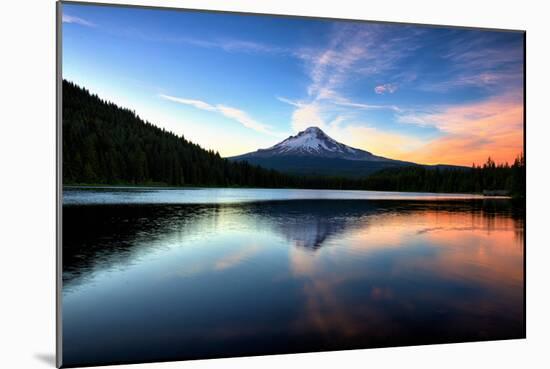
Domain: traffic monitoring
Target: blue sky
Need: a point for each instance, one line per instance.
(235, 83)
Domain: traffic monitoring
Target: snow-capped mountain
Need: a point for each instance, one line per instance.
(313, 152)
(313, 142)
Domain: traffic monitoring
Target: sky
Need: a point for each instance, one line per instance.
(236, 83)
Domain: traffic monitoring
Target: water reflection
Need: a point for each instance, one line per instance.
(188, 281)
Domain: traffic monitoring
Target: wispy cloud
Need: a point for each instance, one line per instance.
(355, 51)
(345, 127)
(305, 115)
(289, 101)
(364, 106)
(484, 80)
(227, 44)
(480, 62)
(366, 136)
(493, 127)
(352, 53)
(484, 117)
(66, 18)
(389, 88)
(308, 115)
(236, 258)
(483, 52)
(227, 111)
(231, 45)
(330, 114)
(194, 103)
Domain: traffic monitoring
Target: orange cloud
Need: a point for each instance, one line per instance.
(473, 132)
(235, 258)
(387, 144)
(470, 247)
(470, 133)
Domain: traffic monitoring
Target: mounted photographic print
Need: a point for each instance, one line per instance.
(236, 184)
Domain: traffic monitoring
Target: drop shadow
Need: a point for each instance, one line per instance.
(48, 359)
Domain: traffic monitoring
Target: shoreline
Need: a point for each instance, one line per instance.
(406, 195)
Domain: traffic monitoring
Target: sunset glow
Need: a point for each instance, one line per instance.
(415, 93)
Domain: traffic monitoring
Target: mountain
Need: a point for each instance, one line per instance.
(313, 152)
(313, 142)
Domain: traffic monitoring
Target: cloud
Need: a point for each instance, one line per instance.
(385, 88)
(352, 104)
(308, 115)
(486, 80)
(236, 258)
(468, 149)
(66, 18)
(288, 101)
(231, 45)
(305, 115)
(355, 51)
(249, 46)
(227, 111)
(485, 117)
(195, 103)
(472, 132)
(344, 128)
(480, 62)
(243, 118)
(383, 143)
(483, 52)
(330, 117)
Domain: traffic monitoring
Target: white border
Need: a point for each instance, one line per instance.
(27, 154)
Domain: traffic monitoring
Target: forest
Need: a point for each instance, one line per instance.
(106, 144)
(477, 179)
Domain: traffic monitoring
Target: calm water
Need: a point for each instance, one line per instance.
(144, 195)
(146, 282)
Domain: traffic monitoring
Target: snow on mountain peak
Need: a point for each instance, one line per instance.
(312, 130)
(313, 143)
(312, 139)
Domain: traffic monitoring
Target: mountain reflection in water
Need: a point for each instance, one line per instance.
(162, 282)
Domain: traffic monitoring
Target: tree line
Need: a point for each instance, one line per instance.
(477, 179)
(106, 144)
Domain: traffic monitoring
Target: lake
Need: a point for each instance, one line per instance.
(172, 274)
(155, 195)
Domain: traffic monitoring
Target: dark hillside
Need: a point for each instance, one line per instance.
(106, 144)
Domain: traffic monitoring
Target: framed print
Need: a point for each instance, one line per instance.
(235, 184)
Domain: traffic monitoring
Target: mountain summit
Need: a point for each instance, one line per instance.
(313, 142)
(313, 152)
